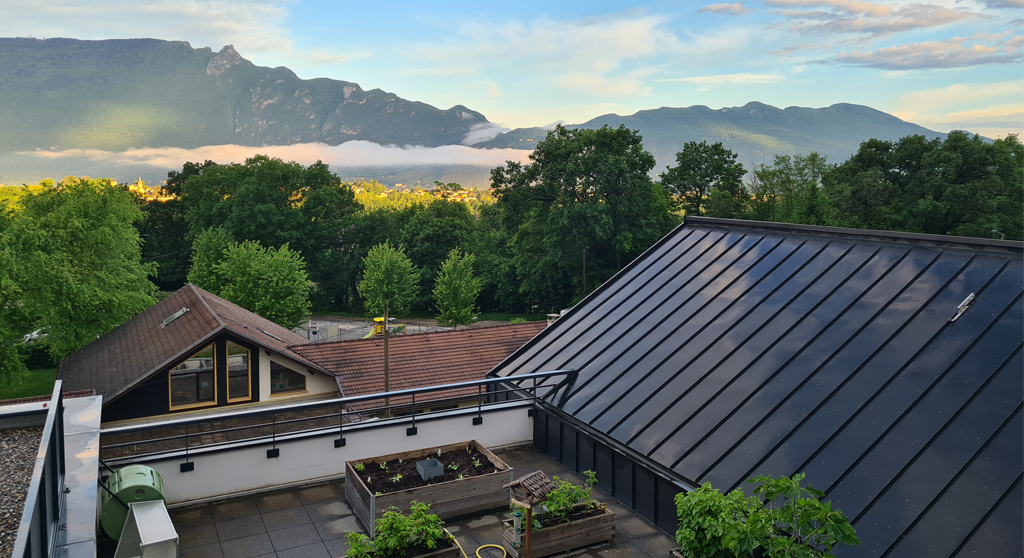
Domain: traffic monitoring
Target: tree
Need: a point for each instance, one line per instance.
(456, 289)
(271, 282)
(208, 250)
(388, 277)
(700, 169)
(585, 190)
(79, 273)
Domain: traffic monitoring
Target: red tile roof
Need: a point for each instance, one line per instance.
(143, 345)
(420, 360)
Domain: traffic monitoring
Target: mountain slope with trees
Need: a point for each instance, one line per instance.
(120, 94)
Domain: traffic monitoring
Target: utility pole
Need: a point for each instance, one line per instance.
(387, 375)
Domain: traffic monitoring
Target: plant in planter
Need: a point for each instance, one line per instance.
(420, 533)
(781, 520)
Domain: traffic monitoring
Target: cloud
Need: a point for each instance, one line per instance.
(960, 93)
(858, 17)
(732, 9)
(348, 154)
(1004, 4)
(483, 132)
(991, 109)
(324, 57)
(731, 79)
(957, 52)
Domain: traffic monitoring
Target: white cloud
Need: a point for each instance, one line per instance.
(958, 94)
(483, 132)
(990, 109)
(732, 9)
(864, 18)
(731, 79)
(349, 154)
(957, 52)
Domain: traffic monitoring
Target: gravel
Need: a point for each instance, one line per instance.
(18, 449)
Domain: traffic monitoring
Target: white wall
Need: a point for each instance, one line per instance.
(246, 468)
(316, 384)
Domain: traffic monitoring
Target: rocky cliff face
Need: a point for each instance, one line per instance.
(120, 94)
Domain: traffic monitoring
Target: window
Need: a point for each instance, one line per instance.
(284, 380)
(238, 372)
(192, 382)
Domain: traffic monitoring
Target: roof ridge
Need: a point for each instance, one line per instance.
(411, 335)
(196, 290)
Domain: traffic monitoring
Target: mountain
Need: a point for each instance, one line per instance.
(113, 95)
(756, 132)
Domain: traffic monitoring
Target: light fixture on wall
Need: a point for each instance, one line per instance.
(268, 352)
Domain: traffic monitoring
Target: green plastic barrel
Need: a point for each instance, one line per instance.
(134, 483)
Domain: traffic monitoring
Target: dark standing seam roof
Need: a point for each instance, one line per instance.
(140, 347)
(733, 349)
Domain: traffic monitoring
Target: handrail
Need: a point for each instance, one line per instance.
(341, 401)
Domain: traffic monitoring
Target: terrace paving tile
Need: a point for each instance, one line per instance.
(315, 550)
(233, 509)
(337, 528)
(318, 494)
(286, 518)
(190, 537)
(332, 509)
(294, 537)
(241, 527)
(337, 548)
(192, 516)
(246, 547)
(278, 501)
(211, 550)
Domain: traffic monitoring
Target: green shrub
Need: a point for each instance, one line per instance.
(396, 533)
(781, 520)
(561, 501)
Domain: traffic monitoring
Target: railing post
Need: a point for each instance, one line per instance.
(273, 451)
(479, 418)
(340, 442)
(187, 465)
(412, 431)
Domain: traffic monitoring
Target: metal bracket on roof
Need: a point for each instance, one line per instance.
(174, 316)
(963, 307)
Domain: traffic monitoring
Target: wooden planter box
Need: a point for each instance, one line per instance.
(447, 499)
(565, 536)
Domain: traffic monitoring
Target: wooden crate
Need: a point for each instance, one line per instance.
(448, 500)
(565, 536)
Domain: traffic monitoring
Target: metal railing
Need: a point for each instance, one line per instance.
(185, 436)
(40, 518)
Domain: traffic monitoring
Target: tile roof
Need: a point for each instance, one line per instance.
(420, 360)
(733, 348)
(142, 346)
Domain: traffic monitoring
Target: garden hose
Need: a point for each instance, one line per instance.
(498, 546)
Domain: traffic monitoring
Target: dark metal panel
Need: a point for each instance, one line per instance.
(604, 467)
(644, 493)
(623, 481)
(666, 506)
(977, 490)
(868, 410)
(900, 475)
(553, 446)
(540, 429)
(990, 538)
(875, 339)
(584, 452)
(569, 446)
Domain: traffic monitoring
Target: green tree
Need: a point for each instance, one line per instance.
(585, 191)
(208, 250)
(271, 282)
(79, 273)
(14, 322)
(700, 169)
(456, 289)
(388, 277)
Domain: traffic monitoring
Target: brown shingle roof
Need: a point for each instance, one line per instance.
(420, 360)
(142, 346)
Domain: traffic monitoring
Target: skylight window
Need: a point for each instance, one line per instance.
(174, 316)
(267, 333)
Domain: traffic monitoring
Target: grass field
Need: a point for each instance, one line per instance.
(35, 382)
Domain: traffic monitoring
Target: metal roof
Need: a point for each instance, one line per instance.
(734, 348)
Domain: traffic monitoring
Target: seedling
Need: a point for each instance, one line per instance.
(384, 466)
(461, 476)
(453, 466)
(359, 467)
(476, 462)
(396, 478)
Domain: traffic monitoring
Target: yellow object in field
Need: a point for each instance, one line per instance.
(378, 328)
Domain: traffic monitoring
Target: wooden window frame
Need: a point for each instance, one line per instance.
(248, 365)
(170, 400)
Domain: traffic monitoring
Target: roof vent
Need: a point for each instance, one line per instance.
(174, 316)
(963, 307)
(267, 333)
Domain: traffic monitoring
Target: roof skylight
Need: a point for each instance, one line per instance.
(174, 316)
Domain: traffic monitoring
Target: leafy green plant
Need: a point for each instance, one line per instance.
(397, 532)
(476, 462)
(396, 478)
(453, 466)
(781, 520)
(517, 321)
(536, 518)
(359, 546)
(359, 467)
(561, 501)
(384, 465)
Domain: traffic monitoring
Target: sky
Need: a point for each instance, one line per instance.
(943, 64)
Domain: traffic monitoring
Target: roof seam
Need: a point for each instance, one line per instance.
(984, 518)
(205, 305)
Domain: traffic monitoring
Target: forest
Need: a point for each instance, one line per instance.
(80, 256)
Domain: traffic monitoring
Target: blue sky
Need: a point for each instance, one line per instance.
(940, 63)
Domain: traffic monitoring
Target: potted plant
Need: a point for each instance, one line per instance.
(568, 518)
(471, 482)
(781, 519)
(421, 534)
